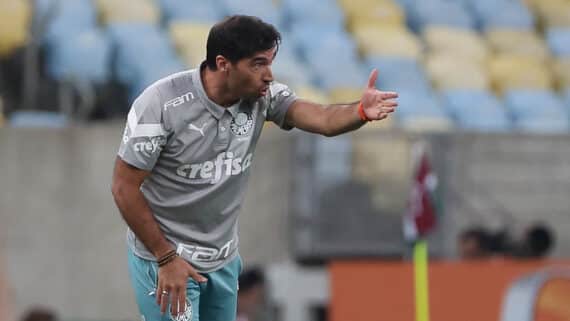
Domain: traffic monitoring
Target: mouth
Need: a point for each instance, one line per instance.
(264, 90)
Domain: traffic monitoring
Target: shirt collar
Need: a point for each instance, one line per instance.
(215, 109)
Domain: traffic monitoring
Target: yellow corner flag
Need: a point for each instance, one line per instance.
(421, 280)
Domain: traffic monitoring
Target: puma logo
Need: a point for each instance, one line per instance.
(198, 129)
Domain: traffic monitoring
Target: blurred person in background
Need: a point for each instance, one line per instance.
(251, 294)
(473, 243)
(537, 241)
(39, 314)
(184, 159)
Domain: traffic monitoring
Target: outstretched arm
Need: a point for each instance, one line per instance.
(336, 119)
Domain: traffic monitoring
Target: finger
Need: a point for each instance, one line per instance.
(182, 301)
(158, 294)
(163, 301)
(174, 303)
(389, 103)
(387, 110)
(388, 94)
(372, 78)
(197, 276)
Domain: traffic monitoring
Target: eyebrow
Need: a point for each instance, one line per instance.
(260, 59)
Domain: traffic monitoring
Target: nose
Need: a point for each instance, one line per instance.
(268, 75)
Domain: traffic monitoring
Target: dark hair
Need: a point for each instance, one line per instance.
(39, 314)
(539, 240)
(250, 278)
(238, 37)
(477, 233)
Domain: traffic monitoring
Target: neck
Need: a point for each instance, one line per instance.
(216, 88)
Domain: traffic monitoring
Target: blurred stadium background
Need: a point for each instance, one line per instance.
(485, 83)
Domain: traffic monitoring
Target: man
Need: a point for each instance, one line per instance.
(184, 161)
(473, 243)
(251, 294)
(39, 314)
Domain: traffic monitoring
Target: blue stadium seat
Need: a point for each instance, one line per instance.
(439, 12)
(66, 58)
(421, 112)
(476, 110)
(558, 40)
(317, 12)
(534, 104)
(288, 67)
(400, 74)
(537, 111)
(345, 74)
(152, 72)
(291, 71)
(418, 104)
(136, 62)
(566, 97)
(64, 18)
(38, 119)
(510, 14)
(321, 41)
(406, 4)
(315, 45)
(266, 10)
(196, 10)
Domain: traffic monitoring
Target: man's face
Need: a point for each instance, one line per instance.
(250, 77)
(470, 248)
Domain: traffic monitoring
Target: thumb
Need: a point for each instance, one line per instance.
(372, 78)
(197, 276)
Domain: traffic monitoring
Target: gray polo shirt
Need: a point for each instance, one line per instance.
(199, 155)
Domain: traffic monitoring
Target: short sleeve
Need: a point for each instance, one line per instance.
(281, 98)
(145, 135)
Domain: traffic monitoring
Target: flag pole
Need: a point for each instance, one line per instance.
(421, 280)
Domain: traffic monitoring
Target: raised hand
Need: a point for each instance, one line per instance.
(377, 104)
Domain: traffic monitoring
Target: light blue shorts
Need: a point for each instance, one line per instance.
(215, 300)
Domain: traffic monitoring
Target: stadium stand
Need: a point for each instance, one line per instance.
(537, 111)
(405, 74)
(488, 114)
(422, 112)
(551, 13)
(194, 10)
(15, 19)
(558, 40)
(395, 41)
(435, 52)
(422, 13)
(519, 72)
(192, 52)
(452, 71)
(517, 42)
(112, 11)
(497, 14)
(467, 44)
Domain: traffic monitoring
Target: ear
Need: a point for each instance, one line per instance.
(222, 63)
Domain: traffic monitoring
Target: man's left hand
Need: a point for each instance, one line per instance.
(377, 104)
